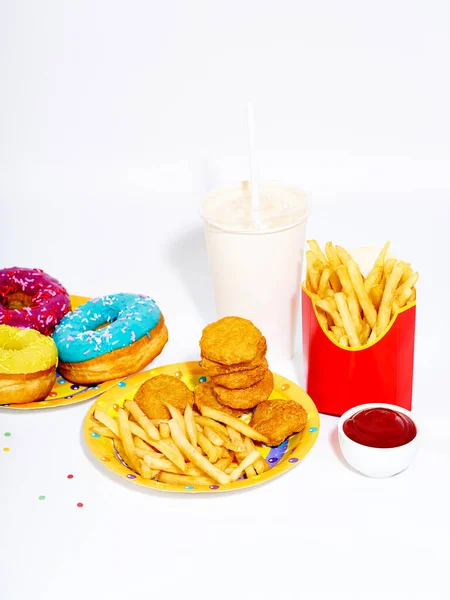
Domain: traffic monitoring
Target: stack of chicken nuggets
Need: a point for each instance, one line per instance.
(233, 354)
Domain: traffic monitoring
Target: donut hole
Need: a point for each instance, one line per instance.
(15, 300)
(103, 325)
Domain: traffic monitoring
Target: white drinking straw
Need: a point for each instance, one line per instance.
(254, 186)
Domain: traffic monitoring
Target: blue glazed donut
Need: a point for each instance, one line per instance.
(96, 340)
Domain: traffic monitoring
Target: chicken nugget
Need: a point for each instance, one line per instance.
(247, 397)
(151, 396)
(278, 419)
(230, 341)
(242, 379)
(204, 396)
(214, 369)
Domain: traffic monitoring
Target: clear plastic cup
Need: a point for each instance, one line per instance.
(256, 267)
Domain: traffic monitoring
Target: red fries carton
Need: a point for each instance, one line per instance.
(340, 378)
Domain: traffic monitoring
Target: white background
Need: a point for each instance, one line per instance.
(115, 117)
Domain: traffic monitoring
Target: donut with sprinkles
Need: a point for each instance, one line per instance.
(31, 299)
(109, 337)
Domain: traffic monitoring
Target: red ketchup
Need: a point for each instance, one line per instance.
(380, 428)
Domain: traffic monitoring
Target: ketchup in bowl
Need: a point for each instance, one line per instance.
(380, 428)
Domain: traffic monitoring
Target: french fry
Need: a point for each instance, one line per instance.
(193, 470)
(260, 464)
(332, 335)
(236, 438)
(194, 456)
(190, 424)
(127, 439)
(365, 333)
(361, 293)
(381, 258)
(314, 277)
(176, 414)
(161, 464)
(372, 336)
(407, 273)
(324, 282)
(332, 255)
(310, 259)
(343, 341)
(413, 297)
(208, 448)
(104, 431)
(322, 318)
(387, 270)
(106, 420)
(317, 251)
(376, 293)
(144, 448)
(326, 305)
(224, 463)
(142, 420)
(233, 422)
(212, 436)
(402, 298)
(337, 331)
(319, 266)
(146, 472)
(207, 422)
(344, 256)
(384, 312)
(409, 283)
(247, 462)
(353, 303)
(164, 430)
(184, 479)
(349, 326)
(373, 278)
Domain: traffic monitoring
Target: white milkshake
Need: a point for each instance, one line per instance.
(256, 268)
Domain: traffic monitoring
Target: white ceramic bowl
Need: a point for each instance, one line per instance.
(377, 462)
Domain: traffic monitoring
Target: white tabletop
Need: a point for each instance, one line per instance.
(113, 128)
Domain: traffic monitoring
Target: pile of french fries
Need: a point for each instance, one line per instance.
(188, 449)
(354, 311)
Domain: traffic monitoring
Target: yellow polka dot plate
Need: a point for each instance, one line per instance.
(63, 391)
(280, 459)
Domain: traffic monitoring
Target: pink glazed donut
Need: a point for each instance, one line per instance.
(29, 298)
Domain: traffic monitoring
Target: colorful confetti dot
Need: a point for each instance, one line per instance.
(188, 487)
(52, 394)
(202, 379)
(272, 460)
(6, 449)
(80, 504)
(312, 429)
(285, 387)
(61, 381)
(74, 387)
(95, 434)
(121, 384)
(41, 497)
(7, 434)
(69, 476)
(213, 487)
(105, 459)
(293, 460)
(116, 407)
(69, 397)
(96, 387)
(131, 476)
(178, 374)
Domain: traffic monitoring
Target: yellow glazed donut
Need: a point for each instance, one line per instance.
(28, 363)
